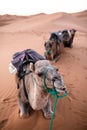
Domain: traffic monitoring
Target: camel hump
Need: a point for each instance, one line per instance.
(25, 57)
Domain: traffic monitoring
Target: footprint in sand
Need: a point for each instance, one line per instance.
(3, 123)
(5, 99)
(85, 68)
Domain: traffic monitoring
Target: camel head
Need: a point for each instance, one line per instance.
(73, 31)
(47, 76)
(51, 49)
(66, 35)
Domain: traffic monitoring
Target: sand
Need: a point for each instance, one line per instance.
(21, 32)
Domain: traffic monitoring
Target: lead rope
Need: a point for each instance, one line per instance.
(54, 94)
(54, 107)
(54, 110)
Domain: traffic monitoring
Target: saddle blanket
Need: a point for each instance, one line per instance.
(56, 36)
(20, 57)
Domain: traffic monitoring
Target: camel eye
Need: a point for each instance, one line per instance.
(50, 45)
(57, 69)
(45, 44)
(40, 74)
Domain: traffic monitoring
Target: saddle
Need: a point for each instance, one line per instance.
(56, 36)
(25, 57)
(20, 59)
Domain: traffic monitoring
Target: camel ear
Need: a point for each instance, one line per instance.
(32, 67)
(45, 44)
(69, 32)
(75, 30)
(56, 68)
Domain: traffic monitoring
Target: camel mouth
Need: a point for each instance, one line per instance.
(61, 91)
(49, 55)
(48, 52)
(60, 88)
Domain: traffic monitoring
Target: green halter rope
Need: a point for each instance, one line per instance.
(48, 52)
(54, 93)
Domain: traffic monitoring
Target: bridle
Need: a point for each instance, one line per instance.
(22, 75)
(54, 94)
(52, 90)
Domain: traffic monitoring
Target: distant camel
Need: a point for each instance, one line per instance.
(68, 37)
(56, 43)
(53, 49)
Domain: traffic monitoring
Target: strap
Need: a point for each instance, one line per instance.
(54, 110)
(23, 78)
(24, 87)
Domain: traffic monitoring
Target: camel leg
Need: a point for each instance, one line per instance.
(47, 110)
(23, 109)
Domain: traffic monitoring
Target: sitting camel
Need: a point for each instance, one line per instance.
(68, 37)
(56, 43)
(53, 48)
(38, 79)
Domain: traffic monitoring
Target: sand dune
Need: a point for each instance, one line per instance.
(21, 32)
(82, 15)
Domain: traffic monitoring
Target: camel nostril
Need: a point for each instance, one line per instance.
(53, 79)
(64, 89)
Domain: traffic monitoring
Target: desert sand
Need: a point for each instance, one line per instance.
(21, 32)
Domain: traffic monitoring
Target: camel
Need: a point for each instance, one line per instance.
(39, 79)
(56, 43)
(68, 37)
(53, 49)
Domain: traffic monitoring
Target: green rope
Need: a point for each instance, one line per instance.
(54, 107)
(47, 52)
(54, 94)
(54, 110)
